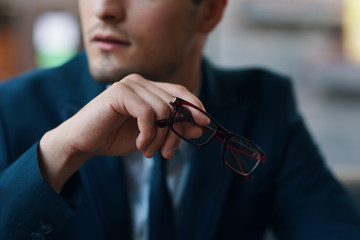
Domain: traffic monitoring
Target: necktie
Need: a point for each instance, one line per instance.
(161, 213)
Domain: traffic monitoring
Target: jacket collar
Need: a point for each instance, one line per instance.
(81, 87)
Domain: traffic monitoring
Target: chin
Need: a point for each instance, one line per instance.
(105, 70)
(108, 75)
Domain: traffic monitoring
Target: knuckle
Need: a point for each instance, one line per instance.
(181, 89)
(133, 77)
(126, 80)
(147, 111)
(118, 86)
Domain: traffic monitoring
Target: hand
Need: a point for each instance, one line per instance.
(119, 121)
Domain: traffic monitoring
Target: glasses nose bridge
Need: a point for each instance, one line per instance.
(222, 134)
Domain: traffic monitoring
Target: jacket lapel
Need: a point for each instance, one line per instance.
(209, 179)
(207, 186)
(105, 184)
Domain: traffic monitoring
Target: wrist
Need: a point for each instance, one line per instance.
(58, 161)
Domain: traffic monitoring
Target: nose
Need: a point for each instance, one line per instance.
(111, 11)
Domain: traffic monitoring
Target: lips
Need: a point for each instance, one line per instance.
(108, 42)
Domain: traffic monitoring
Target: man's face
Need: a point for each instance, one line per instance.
(149, 37)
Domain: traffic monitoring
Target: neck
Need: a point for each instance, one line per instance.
(190, 77)
(189, 72)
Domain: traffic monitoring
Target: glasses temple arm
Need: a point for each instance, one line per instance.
(166, 122)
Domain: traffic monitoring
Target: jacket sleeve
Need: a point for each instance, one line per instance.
(29, 207)
(309, 202)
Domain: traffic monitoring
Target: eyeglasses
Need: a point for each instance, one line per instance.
(197, 127)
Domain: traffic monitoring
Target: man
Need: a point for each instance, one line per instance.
(71, 145)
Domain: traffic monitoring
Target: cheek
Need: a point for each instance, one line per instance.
(85, 18)
(151, 25)
(164, 33)
(84, 10)
(160, 20)
(88, 18)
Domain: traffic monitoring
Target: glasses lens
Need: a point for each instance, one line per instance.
(193, 125)
(241, 156)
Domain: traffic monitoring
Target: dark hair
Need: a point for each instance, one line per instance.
(197, 1)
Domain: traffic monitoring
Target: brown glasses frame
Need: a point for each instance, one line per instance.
(220, 133)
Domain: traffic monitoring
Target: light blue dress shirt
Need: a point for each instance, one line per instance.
(138, 170)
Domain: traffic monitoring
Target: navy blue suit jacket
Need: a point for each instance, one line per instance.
(293, 192)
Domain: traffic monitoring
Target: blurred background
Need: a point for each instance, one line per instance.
(315, 42)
